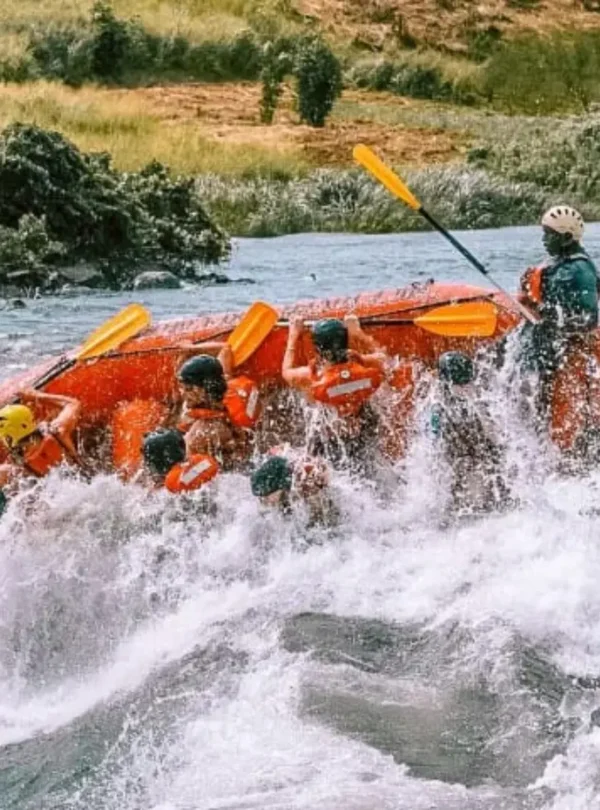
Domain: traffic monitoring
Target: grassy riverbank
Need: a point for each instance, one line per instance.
(489, 111)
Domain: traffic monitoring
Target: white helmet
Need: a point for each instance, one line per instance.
(563, 219)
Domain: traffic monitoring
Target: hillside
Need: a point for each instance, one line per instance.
(367, 24)
(447, 24)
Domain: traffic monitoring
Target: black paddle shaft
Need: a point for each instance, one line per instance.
(474, 262)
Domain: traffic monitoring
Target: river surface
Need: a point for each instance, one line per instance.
(152, 658)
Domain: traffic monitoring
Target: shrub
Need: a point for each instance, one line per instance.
(563, 157)
(90, 211)
(276, 64)
(545, 74)
(117, 51)
(111, 43)
(329, 200)
(413, 79)
(482, 42)
(319, 80)
(26, 252)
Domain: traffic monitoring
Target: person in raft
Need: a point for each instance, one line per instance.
(34, 448)
(560, 348)
(167, 464)
(290, 478)
(468, 439)
(348, 369)
(219, 410)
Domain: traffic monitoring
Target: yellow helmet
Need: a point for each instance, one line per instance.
(16, 423)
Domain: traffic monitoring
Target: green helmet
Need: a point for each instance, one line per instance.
(162, 449)
(272, 476)
(330, 338)
(205, 372)
(456, 368)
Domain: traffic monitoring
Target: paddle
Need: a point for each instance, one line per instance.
(256, 324)
(368, 160)
(469, 319)
(108, 337)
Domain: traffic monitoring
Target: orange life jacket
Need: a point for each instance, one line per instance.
(346, 386)
(191, 474)
(241, 406)
(531, 283)
(48, 452)
(531, 280)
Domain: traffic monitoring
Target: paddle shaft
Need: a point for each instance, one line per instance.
(375, 320)
(527, 314)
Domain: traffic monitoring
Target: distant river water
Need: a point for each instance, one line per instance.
(152, 658)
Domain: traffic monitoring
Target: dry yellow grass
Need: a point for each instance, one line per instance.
(126, 125)
(194, 19)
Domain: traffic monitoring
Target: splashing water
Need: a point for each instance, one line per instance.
(154, 657)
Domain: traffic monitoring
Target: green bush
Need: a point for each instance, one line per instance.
(90, 211)
(319, 81)
(276, 64)
(482, 42)
(26, 252)
(111, 50)
(410, 79)
(545, 74)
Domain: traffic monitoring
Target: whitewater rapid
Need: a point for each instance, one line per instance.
(155, 658)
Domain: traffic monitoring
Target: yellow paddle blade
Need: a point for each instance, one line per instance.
(472, 319)
(251, 331)
(369, 160)
(108, 337)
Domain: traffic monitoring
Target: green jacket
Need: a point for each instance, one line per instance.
(569, 306)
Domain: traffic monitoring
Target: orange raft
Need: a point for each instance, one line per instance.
(144, 367)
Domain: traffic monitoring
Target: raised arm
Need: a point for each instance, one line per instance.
(295, 376)
(65, 422)
(371, 353)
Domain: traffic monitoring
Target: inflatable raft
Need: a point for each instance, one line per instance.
(132, 388)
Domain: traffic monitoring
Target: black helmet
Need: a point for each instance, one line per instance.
(163, 449)
(205, 372)
(456, 368)
(3, 502)
(274, 475)
(330, 338)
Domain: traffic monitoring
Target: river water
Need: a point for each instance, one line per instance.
(154, 659)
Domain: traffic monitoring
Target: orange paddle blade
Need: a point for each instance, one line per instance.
(108, 337)
(251, 331)
(471, 319)
(369, 161)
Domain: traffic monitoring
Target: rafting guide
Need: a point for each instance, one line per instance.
(561, 347)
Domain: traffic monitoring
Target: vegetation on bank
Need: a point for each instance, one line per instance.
(499, 106)
(124, 43)
(59, 206)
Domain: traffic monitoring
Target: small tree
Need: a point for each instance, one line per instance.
(110, 42)
(275, 66)
(319, 81)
